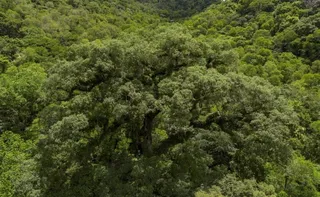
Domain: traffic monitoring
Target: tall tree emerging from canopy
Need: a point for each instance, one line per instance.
(155, 101)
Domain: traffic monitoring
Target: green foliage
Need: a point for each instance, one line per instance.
(114, 98)
(299, 178)
(18, 176)
(232, 186)
(20, 95)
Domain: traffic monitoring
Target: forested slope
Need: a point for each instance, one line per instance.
(159, 98)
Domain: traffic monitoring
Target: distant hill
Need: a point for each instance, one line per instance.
(177, 9)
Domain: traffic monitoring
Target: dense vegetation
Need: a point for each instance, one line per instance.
(160, 98)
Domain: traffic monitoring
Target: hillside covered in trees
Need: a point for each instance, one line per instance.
(160, 98)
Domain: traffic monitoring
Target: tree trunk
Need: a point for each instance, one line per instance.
(146, 133)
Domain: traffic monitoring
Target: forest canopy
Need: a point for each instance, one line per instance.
(155, 98)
